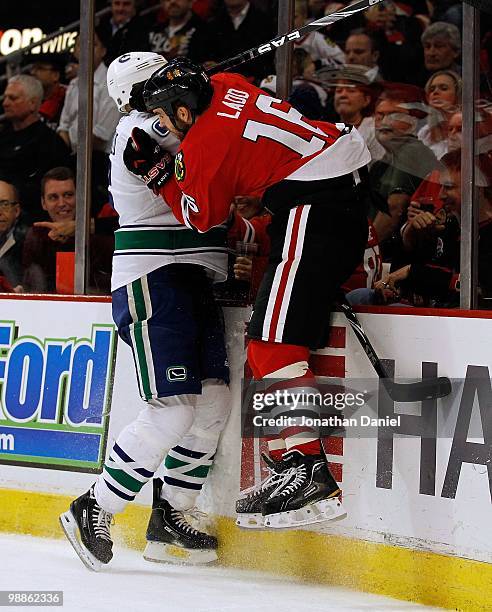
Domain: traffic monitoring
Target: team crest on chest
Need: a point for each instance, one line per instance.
(179, 167)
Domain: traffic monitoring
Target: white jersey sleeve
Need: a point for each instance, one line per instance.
(125, 188)
(150, 236)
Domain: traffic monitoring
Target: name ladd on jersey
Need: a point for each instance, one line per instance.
(235, 99)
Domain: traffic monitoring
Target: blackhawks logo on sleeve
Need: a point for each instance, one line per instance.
(179, 167)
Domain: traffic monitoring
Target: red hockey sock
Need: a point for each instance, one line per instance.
(310, 447)
(276, 448)
(267, 357)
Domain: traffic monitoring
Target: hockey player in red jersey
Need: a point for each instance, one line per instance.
(236, 140)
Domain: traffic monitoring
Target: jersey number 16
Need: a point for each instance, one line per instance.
(303, 146)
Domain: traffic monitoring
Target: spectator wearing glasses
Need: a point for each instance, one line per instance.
(12, 235)
(28, 146)
(433, 242)
(48, 69)
(427, 195)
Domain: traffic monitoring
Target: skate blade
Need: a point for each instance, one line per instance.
(323, 510)
(70, 527)
(159, 552)
(250, 521)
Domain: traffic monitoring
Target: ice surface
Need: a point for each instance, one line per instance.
(130, 584)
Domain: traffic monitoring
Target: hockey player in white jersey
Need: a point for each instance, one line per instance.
(165, 311)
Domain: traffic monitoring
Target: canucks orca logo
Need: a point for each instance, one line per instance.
(179, 167)
(159, 130)
(176, 374)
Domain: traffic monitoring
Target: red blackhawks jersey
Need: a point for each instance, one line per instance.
(247, 141)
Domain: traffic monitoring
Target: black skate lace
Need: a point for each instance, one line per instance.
(101, 521)
(181, 522)
(299, 480)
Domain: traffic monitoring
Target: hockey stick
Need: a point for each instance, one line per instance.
(280, 41)
(318, 24)
(428, 388)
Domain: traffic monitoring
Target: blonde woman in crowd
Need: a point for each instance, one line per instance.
(443, 94)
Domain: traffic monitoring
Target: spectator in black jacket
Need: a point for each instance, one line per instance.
(182, 34)
(28, 146)
(239, 26)
(398, 39)
(123, 30)
(12, 235)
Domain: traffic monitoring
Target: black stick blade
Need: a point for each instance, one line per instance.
(426, 389)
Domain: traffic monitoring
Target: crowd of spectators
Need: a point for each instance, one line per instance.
(392, 71)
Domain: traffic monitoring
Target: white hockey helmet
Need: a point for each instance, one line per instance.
(127, 70)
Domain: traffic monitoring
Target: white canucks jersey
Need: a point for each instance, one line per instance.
(150, 236)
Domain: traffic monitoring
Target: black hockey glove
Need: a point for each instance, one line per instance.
(145, 158)
(136, 97)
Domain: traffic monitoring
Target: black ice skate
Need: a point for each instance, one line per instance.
(311, 496)
(171, 538)
(249, 508)
(87, 527)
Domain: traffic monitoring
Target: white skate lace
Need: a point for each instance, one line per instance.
(270, 482)
(181, 522)
(300, 476)
(197, 514)
(101, 521)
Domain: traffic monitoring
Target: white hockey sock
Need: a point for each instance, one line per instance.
(188, 463)
(140, 449)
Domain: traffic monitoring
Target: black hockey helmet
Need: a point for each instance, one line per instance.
(180, 80)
